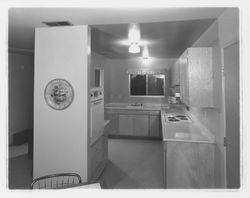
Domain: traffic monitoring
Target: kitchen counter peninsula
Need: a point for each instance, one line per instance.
(134, 120)
(188, 150)
(189, 129)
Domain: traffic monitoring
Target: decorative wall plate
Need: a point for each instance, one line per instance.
(59, 94)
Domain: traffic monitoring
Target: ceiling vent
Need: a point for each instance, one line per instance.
(57, 23)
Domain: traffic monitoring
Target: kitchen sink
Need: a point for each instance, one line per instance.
(135, 106)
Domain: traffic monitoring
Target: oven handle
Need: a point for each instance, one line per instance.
(97, 102)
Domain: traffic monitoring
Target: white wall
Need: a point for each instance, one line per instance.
(97, 62)
(100, 62)
(60, 136)
(21, 90)
(229, 27)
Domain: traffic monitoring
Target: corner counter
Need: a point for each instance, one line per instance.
(185, 131)
(188, 152)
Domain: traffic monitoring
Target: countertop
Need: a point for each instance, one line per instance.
(106, 122)
(192, 131)
(183, 131)
(131, 106)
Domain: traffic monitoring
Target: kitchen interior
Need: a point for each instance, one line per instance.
(151, 100)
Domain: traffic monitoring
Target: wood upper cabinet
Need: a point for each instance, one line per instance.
(175, 74)
(196, 77)
(184, 78)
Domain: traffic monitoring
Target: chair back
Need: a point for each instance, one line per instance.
(56, 181)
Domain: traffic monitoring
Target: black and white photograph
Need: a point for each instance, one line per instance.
(124, 98)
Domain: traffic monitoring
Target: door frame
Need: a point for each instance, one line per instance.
(223, 115)
(224, 110)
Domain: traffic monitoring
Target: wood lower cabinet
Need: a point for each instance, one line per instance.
(135, 125)
(113, 126)
(143, 123)
(98, 157)
(126, 125)
(140, 125)
(155, 125)
(188, 165)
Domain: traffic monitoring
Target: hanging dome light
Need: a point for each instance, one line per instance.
(134, 48)
(134, 37)
(134, 34)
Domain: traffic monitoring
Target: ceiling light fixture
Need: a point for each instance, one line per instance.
(134, 48)
(134, 37)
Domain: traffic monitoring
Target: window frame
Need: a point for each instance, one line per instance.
(146, 96)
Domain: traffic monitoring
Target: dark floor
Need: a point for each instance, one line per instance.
(132, 164)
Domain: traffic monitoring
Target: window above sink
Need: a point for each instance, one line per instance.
(147, 85)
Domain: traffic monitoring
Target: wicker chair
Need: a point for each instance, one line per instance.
(56, 181)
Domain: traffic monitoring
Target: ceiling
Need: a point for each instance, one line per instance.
(164, 39)
(168, 31)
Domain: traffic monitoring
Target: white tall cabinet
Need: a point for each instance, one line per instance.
(61, 137)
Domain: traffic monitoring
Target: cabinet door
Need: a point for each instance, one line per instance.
(105, 148)
(177, 73)
(154, 125)
(173, 75)
(126, 124)
(112, 127)
(184, 81)
(96, 156)
(200, 75)
(196, 77)
(183, 78)
(189, 165)
(140, 125)
(97, 120)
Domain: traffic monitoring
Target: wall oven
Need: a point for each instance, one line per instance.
(97, 114)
